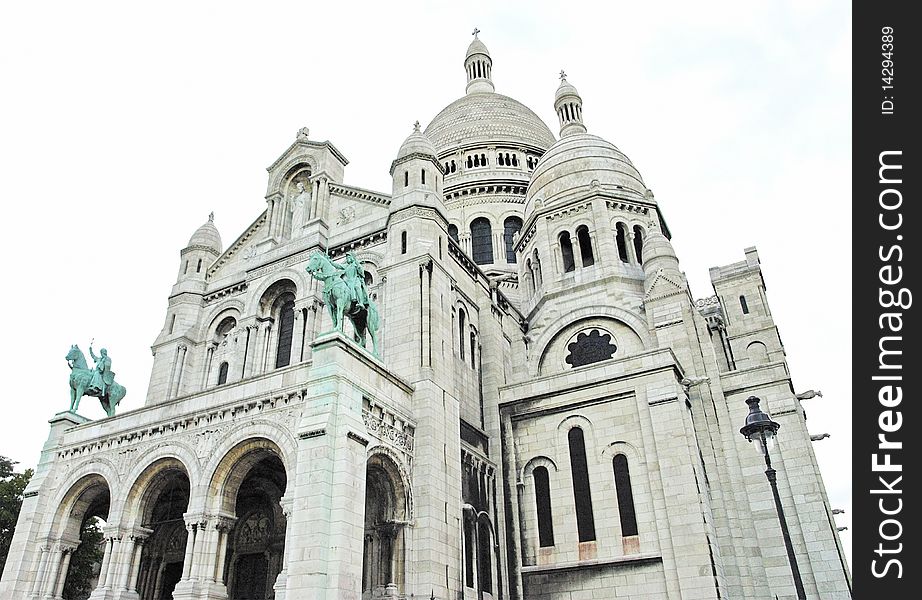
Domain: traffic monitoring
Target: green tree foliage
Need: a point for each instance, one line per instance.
(87, 555)
(12, 485)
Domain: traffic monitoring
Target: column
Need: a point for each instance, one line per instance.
(53, 571)
(287, 505)
(62, 578)
(44, 553)
(250, 354)
(266, 339)
(310, 331)
(324, 198)
(223, 527)
(178, 369)
(238, 363)
(190, 545)
(106, 560)
(297, 335)
(201, 547)
(209, 356)
(425, 273)
(315, 198)
(629, 240)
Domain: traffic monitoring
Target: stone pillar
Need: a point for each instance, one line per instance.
(54, 571)
(190, 548)
(315, 199)
(176, 379)
(250, 351)
(282, 579)
(209, 356)
(425, 282)
(297, 336)
(323, 554)
(68, 552)
(44, 554)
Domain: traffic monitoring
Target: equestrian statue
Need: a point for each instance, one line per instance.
(98, 381)
(345, 295)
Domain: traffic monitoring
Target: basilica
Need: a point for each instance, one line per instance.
(545, 411)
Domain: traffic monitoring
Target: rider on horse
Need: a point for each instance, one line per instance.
(102, 375)
(354, 276)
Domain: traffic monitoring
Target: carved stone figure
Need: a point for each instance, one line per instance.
(98, 382)
(345, 295)
(300, 202)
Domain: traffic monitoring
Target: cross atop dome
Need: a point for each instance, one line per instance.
(476, 31)
(563, 75)
(211, 217)
(416, 127)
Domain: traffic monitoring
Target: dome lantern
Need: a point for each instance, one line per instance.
(569, 107)
(479, 67)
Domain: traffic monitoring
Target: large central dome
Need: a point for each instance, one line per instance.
(488, 117)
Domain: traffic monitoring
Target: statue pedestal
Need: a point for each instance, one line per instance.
(65, 420)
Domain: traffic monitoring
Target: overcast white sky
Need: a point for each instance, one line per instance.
(123, 125)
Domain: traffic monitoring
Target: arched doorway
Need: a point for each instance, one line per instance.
(163, 501)
(385, 518)
(71, 567)
(253, 488)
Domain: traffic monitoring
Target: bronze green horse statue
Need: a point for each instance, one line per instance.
(341, 299)
(81, 376)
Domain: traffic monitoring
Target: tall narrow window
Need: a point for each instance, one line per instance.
(469, 554)
(198, 267)
(423, 176)
(638, 243)
(500, 161)
(453, 166)
(539, 276)
(461, 331)
(744, 305)
(621, 240)
(286, 333)
(406, 178)
(186, 268)
(585, 246)
(543, 502)
(625, 495)
(222, 373)
(585, 522)
(453, 233)
(485, 561)
(473, 351)
(403, 242)
(172, 323)
(483, 160)
(482, 241)
(470, 162)
(511, 226)
(566, 251)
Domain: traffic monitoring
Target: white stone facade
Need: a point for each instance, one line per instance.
(552, 414)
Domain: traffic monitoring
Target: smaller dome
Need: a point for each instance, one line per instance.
(207, 235)
(657, 246)
(579, 162)
(476, 47)
(416, 143)
(565, 89)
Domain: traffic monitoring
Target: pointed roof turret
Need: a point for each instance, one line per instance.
(479, 67)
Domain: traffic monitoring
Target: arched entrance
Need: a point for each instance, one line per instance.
(162, 504)
(385, 518)
(70, 566)
(252, 491)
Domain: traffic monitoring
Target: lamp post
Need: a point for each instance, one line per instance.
(760, 428)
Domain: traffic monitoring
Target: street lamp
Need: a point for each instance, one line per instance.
(760, 428)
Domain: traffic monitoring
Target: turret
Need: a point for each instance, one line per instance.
(203, 248)
(416, 173)
(479, 67)
(569, 107)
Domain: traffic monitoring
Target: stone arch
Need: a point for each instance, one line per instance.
(563, 429)
(288, 170)
(757, 352)
(298, 280)
(232, 464)
(101, 467)
(214, 318)
(148, 480)
(535, 462)
(247, 486)
(387, 512)
(552, 346)
(625, 317)
(81, 496)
